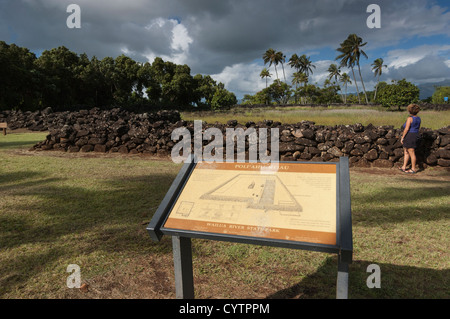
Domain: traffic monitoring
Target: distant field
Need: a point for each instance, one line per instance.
(322, 116)
(91, 210)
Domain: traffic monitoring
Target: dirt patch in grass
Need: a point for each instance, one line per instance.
(145, 277)
(437, 173)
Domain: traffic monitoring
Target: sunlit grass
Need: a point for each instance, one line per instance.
(322, 116)
(58, 209)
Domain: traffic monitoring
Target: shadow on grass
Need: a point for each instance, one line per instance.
(417, 201)
(67, 219)
(16, 271)
(8, 177)
(397, 282)
(73, 209)
(16, 144)
(404, 203)
(64, 222)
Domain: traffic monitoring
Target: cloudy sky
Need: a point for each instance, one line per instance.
(227, 38)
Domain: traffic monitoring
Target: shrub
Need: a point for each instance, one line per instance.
(397, 94)
(440, 93)
(223, 98)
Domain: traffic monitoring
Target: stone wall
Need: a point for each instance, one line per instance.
(118, 131)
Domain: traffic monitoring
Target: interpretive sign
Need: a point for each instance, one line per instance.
(295, 202)
(298, 205)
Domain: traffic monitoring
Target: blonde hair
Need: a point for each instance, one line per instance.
(413, 109)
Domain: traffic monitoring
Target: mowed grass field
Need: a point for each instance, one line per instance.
(58, 209)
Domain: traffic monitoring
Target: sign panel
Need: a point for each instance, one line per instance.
(285, 201)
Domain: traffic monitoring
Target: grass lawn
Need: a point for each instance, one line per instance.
(58, 209)
(322, 116)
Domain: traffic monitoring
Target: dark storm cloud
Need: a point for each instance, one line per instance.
(215, 34)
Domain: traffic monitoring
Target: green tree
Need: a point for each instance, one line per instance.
(440, 93)
(309, 92)
(299, 78)
(92, 88)
(62, 79)
(148, 84)
(279, 92)
(306, 65)
(58, 67)
(345, 79)
(398, 94)
(20, 80)
(350, 55)
(272, 57)
(173, 85)
(294, 62)
(205, 88)
(334, 72)
(180, 90)
(328, 94)
(282, 60)
(265, 74)
(377, 68)
(223, 98)
(125, 79)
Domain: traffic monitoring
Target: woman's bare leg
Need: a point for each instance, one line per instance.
(405, 159)
(412, 154)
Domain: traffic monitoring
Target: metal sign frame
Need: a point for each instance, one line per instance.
(181, 239)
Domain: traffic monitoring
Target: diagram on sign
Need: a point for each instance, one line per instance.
(263, 192)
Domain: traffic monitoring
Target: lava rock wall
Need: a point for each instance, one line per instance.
(119, 131)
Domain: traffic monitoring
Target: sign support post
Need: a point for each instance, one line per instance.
(182, 259)
(342, 281)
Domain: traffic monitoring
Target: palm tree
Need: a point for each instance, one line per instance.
(345, 78)
(282, 59)
(271, 57)
(294, 62)
(347, 61)
(378, 69)
(306, 65)
(334, 71)
(350, 54)
(265, 74)
(304, 78)
(298, 78)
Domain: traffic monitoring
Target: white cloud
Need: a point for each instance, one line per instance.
(156, 23)
(242, 78)
(179, 43)
(403, 57)
(181, 39)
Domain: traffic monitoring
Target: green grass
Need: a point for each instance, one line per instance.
(322, 116)
(58, 209)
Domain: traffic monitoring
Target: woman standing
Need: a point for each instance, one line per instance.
(410, 137)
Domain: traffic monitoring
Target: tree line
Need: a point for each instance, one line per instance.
(350, 52)
(64, 80)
